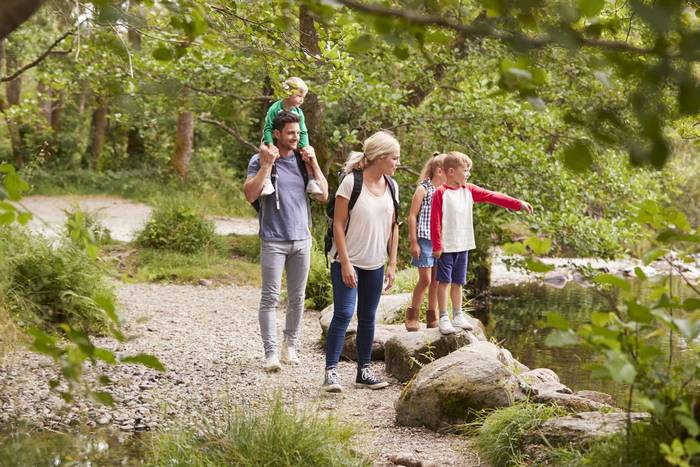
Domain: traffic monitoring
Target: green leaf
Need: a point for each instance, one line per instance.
(107, 304)
(24, 217)
(692, 446)
(146, 360)
(609, 279)
(401, 53)
(558, 338)
(556, 321)
(361, 45)
(163, 54)
(540, 246)
(104, 355)
(578, 156)
(537, 266)
(102, 397)
(621, 370)
(688, 423)
(639, 313)
(515, 248)
(590, 8)
(600, 319)
(653, 255)
(691, 304)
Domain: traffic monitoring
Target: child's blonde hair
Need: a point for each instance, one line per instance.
(456, 160)
(381, 144)
(293, 84)
(435, 162)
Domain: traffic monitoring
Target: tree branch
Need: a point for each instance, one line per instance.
(37, 60)
(229, 130)
(483, 31)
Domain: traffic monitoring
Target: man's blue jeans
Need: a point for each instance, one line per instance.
(366, 295)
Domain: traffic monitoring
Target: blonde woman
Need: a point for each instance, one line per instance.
(363, 237)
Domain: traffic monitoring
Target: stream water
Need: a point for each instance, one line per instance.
(513, 321)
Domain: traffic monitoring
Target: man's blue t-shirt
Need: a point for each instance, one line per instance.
(291, 221)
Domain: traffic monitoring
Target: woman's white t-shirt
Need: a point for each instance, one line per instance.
(369, 227)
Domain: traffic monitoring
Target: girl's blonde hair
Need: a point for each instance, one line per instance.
(293, 84)
(381, 144)
(435, 162)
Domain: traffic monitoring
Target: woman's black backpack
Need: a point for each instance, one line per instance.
(356, 190)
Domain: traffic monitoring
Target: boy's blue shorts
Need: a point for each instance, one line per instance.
(426, 259)
(452, 268)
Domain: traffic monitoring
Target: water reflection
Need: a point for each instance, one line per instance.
(513, 321)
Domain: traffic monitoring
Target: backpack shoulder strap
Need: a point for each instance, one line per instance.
(302, 166)
(392, 189)
(356, 188)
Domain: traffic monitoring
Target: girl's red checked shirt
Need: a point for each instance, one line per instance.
(451, 221)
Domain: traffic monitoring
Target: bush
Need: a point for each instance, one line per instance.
(84, 228)
(499, 433)
(277, 437)
(46, 286)
(319, 290)
(177, 228)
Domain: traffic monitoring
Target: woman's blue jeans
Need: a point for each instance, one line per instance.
(366, 295)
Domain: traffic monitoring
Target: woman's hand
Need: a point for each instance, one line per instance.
(389, 276)
(348, 274)
(415, 250)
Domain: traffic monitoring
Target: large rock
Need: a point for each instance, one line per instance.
(387, 312)
(406, 352)
(444, 391)
(584, 426)
(571, 401)
(544, 380)
(382, 333)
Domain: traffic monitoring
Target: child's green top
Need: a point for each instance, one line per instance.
(272, 113)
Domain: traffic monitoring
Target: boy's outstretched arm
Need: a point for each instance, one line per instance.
(482, 195)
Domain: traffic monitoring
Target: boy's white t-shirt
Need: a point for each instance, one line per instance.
(369, 227)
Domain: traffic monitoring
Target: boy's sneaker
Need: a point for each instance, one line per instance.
(267, 188)
(272, 363)
(331, 381)
(313, 187)
(367, 379)
(289, 354)
(445, 325)
(461, 321)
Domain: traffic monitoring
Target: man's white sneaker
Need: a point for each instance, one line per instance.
(445, 325)
(313, 187)
(267, 188)
(272, 363)
(289, 354)
(461, 321)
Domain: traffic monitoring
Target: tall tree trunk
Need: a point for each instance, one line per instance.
(313, 109)
(135, 146)
(98, 134)
(15, 12)
(183, 143)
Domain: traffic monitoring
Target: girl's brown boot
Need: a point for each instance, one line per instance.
(431, 318)
(412, 323)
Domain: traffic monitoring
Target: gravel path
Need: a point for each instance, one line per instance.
(209, 340)
(122, 217)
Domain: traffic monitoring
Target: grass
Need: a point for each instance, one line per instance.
(219, 194)
(215, 264)
(278, 436)
(44, 285)
(10, 335)
(499, 433)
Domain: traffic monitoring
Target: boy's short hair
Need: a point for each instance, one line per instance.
(282, 118)
(455, 160)
(295, 84)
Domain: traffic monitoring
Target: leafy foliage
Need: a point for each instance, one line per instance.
(177, 228)
(319, 291)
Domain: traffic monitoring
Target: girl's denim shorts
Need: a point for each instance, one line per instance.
(425, 260)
